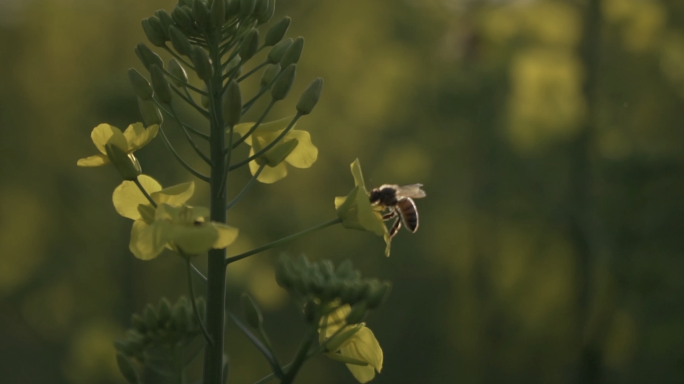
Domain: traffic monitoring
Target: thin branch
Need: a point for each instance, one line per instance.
(185, 84)
(144, 192)
(180, 159)
(194, 304)
(191, 129)
(254, 127)
(268, 147)
(246, 188)
(282, 241)
(190, 101)
(174, 54)
(258, 67)
(191, 141)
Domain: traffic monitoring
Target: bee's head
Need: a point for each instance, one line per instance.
(375, 195)
(383, 195)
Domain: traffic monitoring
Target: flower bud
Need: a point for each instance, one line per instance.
(251, 311)
(204, 99)
(270, 73)
(164, 310)
(161, 87)
(283, 83)
(377, 293)
(232, 103)
(177, 70)
(147, 57)
(278, 154)
(357, 313)
(150, 317)
(345, 270)
(310, 97)
(138, 323)
(336, 342)
(277, 32)
(202, 63)
(127, 165)
(232, 9)
(218, 13)
(200, 13)
(127, 369)
(154, 35)
(293, 53)
(149, 112)
(265, 12)
(278, 51)
(165, 19)
(250, 45)
(182, 18)
(124, 347)
(140, 85)
(247, 7)
(179, 41)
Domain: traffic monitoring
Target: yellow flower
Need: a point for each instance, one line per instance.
(356, 211)
(303, 155)
(361, 351)
(172, 224)
(132, 139)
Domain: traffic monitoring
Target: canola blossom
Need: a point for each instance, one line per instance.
(172, 224)
(361, 351)
(303, 155)
(357, 212)
(133, 138)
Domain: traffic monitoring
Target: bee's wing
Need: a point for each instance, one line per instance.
(413, 191)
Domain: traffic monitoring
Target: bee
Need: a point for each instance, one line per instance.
(399, 201)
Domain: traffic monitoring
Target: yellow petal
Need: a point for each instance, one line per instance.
(339, 200)
(127, 196)
(226, 235)
(242, 129)
(305, 154)
(357, 174)
(270, 174)
(275, 126)
(148, 241)
(367, 217)
(336, 319)
(105, 133)
(93, 161)
(268, 130)
(365, 347)
(137, 136)
(194, 239)
(175, 195)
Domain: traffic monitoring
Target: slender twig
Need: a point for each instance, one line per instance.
(185, 84)
(191, 129)
(180, 159)
(300, 358)
(271, 375)
(246, 188)
(144, 192)
(190, 101)
(248, 105)
(194, 304)
(174, 54)
(268, 147)
(255, 126)
(282, 241)
(258, 67)
(198, 273)
(190, 140)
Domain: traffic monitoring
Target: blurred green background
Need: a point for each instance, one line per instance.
(548, 135)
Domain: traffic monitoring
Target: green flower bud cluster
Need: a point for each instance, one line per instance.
(323, 286)
(161, 326)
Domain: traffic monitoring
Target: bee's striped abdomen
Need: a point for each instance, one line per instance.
(409, 213)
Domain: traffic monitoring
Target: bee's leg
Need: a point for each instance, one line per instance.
(391, 214)
(395, 228)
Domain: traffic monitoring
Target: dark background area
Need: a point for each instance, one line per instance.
(548, 135)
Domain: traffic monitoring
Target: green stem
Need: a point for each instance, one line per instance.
(190, 140)
(185, 84)
(258, 67)
(255, 126)
(256, 97)
(216, 279)
(282, 241)
(191, 129)
(247, 187)
(270, 375)
(193, 300)
(182, 60)
(180, 159)
(192, 103)
(268, 147)
(144, 192)
(300, 358)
